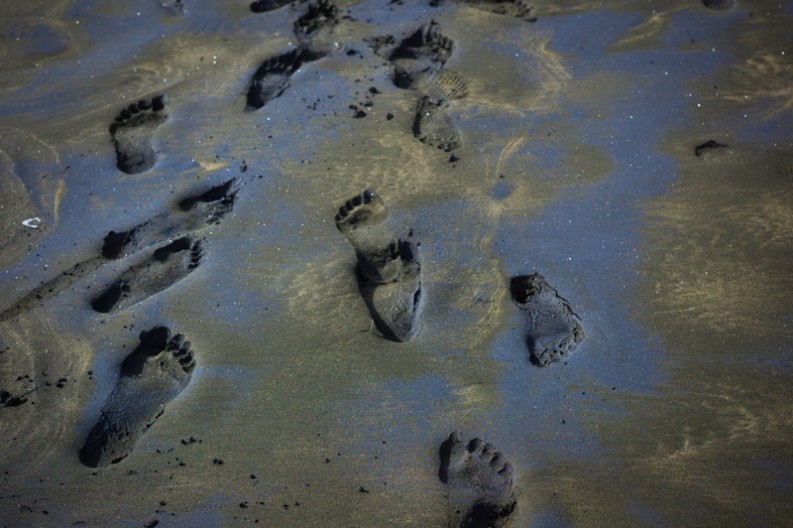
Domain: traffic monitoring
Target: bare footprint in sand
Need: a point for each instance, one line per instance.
(434, 127)
(272, 78)
(419, 57)
(479, 480)
(419, 61)
(152, 375)
(192, 214)
(167, 266)
(514, 8)
(389, 269)
(132, 133)
(554, 329)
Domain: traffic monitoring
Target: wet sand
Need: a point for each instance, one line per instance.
(577, 161)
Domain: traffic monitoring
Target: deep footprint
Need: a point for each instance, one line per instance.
(167, 266)
(554, 329)
(193, 214)
(479, 480)
(132, 132)
(419, 57)
(152, 375)
(433, 126)
(272, 78)
(389, 269)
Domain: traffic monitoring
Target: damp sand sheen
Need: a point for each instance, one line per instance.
(453, 263)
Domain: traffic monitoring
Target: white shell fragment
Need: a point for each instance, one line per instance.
(32, 223)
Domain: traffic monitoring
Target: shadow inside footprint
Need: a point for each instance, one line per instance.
(395, 306)
(388, 270)
(167, 265)
(152, 375)
(479, 480)
(554, 329)
(132, 131)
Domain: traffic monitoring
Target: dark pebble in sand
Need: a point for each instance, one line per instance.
(708, 145)
(262, 6)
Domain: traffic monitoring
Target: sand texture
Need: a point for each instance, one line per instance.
(415, 263)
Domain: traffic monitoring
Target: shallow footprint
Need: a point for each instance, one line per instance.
(433, 126)
(479, 480)
(389, 269)
(152, 375)
(554, 329)
(272, 78)
(132, 131)
(167, 266)
(194, 213)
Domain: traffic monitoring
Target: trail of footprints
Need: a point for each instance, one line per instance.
(389, 271)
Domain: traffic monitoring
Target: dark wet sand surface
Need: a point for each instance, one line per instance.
(577, 161)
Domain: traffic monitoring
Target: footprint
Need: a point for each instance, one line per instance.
(554, 328)
(389, 269)
(272, 77)
(193, 214)
(479, 480)
(151, 376)
(132, 131)
(167, 266)
(433, 125)
(320, 14)
(420, 56)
